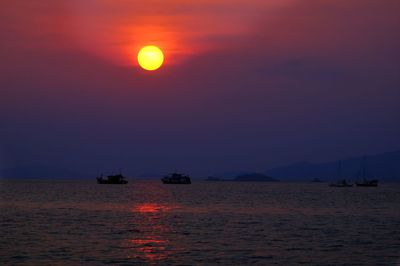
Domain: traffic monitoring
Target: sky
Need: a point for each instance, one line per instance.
(246, 85)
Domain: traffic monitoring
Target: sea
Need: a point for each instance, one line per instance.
(71, 222)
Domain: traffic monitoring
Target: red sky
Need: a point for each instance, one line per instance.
(117, 29)
(240, 78)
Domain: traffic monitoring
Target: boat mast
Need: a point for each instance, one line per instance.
(364, 167)
(339, 169)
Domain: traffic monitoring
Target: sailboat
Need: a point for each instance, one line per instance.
(341, 182)
(365, 182)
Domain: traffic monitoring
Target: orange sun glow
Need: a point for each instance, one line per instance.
(150, 57)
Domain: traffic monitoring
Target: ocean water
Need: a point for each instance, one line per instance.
(206, 223)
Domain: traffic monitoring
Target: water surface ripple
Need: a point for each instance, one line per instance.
(206, 223)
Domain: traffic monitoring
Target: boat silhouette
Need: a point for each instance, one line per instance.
(365, 182)
(112, 179)
(316, 180)
(368, 183)
(341, 181)
(176, 178)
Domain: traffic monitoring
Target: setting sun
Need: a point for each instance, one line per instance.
(150, 57)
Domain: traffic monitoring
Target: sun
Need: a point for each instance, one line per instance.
(150, 57)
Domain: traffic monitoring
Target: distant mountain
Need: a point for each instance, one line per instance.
(385, 167)
(231, 174)
(40, 171)
(213, 178)
(254, 177)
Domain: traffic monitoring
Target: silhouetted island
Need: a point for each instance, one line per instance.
(213, 178)
(250, 177)
(255, 177)
(386, 166)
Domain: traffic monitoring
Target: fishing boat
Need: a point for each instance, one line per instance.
(365, 182)
(341, 181)
(176, 178)
(112, 179)
(368, 183)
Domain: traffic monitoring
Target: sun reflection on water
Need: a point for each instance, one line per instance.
(150, 249)
(151, 208)
(150, 243)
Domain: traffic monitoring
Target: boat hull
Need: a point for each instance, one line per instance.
(337, 185)
(176, 179)
(116, 180)
(114, 183)
(366, 185)
(176, 182)
(342, 183)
